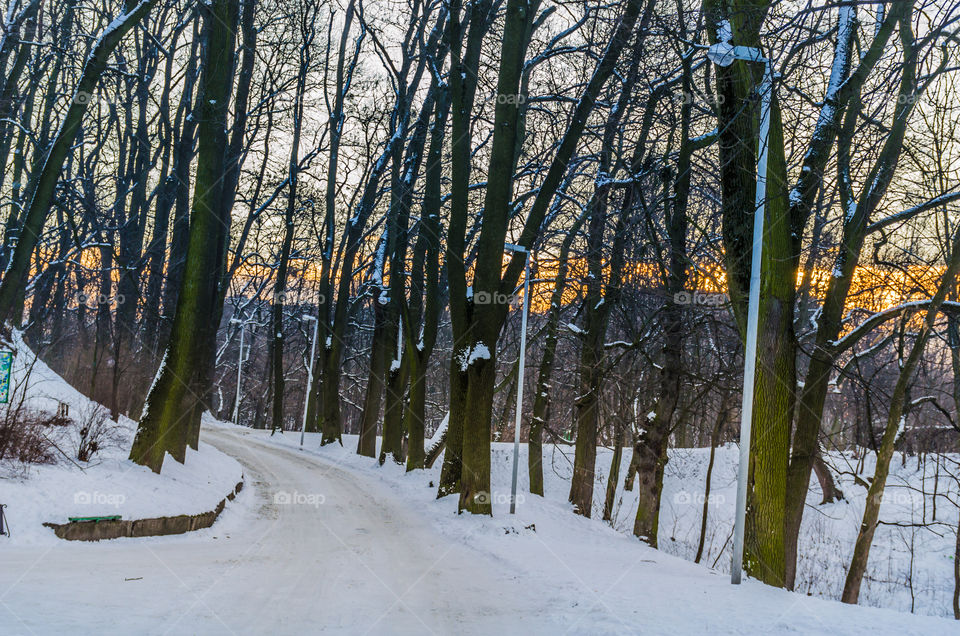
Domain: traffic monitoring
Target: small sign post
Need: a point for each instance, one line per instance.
(6, 362)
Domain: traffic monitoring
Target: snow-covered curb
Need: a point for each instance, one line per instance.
(115, 486)
(52, 494)
(109, 484)
(96, 530)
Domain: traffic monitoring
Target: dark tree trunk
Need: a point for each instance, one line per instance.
(367, 444)
(541, 399)
(162, 427)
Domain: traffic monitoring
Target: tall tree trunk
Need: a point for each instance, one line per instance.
(367, 442)
(156, 251)
(326, 386)
(405, 171)
(587, 405)
(479, 358)
(488, 315)
(842, 104)
(650, 448)
(600, 299)
(464, 65)
(233, 162)
(183, 153)
(131, 235)
(764, 550)
(541, 399)
(162, 426)
(426, 283)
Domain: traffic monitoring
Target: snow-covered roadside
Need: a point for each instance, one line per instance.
(911, 561)
(109, 484)
(113, 486)
(603, 570)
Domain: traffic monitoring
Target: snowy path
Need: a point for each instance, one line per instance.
(368, 561)
(293, 569)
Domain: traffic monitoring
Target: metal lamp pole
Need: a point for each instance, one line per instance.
(723, 54)
(523, 356)
(306, 394)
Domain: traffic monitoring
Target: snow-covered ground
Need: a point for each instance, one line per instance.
(911, 560)
(331, 542)
(107, 484)
(911, 564)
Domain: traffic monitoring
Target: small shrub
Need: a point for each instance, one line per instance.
(23, 436)
(94, 432)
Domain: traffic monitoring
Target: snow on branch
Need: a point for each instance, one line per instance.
(879, 318)
(909, 213)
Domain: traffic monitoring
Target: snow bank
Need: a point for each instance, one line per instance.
(109, 484)
(910, 568)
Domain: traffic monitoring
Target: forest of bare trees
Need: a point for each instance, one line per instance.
(178, 178)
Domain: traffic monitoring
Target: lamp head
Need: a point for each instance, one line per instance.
(721, 54)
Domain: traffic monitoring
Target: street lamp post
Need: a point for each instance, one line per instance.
(523, 354)
(306, 394)
(724, 54)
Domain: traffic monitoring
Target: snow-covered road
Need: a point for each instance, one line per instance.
(357, 563)
(349, 554)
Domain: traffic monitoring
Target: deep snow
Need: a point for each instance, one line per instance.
(829, 531)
